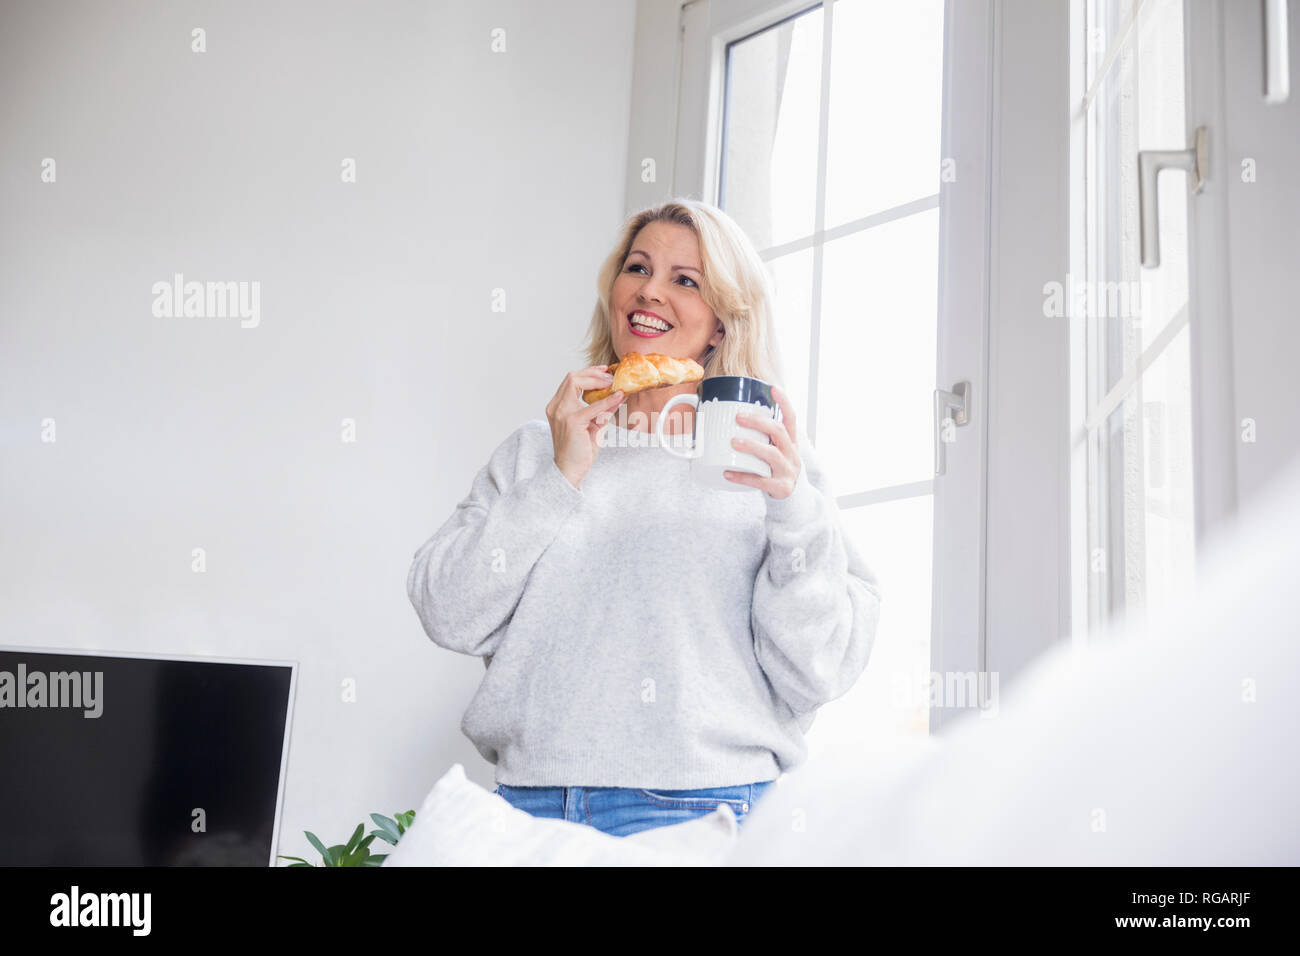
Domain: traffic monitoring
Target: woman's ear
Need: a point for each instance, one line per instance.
(718, 333)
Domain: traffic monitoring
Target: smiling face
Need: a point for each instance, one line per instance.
(656, 304)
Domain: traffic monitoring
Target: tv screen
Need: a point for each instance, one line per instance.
(113, 760)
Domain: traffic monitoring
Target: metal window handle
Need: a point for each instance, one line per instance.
(1277, 53)
(1150, 163)
(958, 402)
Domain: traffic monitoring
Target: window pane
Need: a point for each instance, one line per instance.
(877, 367)
(792, 275)
(769, 155)
(1140, 105)
(1140, 460)
(1113, 286)
(895, 538)
(1105, 17)
(885, 106)
(1152, 521)
(1162, 124)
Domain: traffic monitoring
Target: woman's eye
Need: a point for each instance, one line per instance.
(637, 265)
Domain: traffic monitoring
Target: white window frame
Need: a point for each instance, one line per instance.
(820, 235)
(1213, 447)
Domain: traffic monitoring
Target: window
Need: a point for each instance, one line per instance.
(1137, 365)
(830, 162)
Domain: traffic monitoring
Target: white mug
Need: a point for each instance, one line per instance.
(717, 401)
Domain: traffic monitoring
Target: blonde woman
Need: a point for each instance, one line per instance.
(654, 649)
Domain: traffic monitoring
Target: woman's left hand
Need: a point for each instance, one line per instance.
(782, 454)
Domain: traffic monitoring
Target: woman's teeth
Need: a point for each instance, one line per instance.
(646, 325)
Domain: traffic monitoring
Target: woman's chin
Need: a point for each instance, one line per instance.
(635, 339)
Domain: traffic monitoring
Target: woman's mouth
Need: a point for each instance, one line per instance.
(647, 325)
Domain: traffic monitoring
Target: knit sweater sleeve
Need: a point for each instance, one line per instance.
(467, 579)
(816, 602)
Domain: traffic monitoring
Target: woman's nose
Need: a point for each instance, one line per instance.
(650, 291)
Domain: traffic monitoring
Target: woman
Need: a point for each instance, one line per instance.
(653, 649)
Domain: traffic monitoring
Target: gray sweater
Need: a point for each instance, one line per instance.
(643, 631)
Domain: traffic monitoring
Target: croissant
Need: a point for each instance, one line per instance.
(637, 372)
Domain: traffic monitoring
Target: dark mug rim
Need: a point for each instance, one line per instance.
(737, 388)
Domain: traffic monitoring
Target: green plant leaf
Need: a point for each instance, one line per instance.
(318, 845)
(356, 852)
(352, 842)
(362, 852)
(292, 865)
(388, 827)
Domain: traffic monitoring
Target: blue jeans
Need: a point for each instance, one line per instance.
(620, 811)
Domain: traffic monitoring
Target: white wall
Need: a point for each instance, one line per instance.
(656, 92)
(476, 171)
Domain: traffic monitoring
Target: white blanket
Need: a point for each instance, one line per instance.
(462, 824)
(1172, 744)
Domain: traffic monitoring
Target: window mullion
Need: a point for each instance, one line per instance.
(819, 220)
(1125, 385)
(893, 214)
(1112, 54)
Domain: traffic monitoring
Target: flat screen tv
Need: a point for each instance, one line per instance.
(111, 759)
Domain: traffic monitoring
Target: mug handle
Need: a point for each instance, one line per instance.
(663, 417)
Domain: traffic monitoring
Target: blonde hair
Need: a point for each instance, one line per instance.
(735, 284)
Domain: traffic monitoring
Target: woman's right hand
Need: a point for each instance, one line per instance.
(575, 425)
